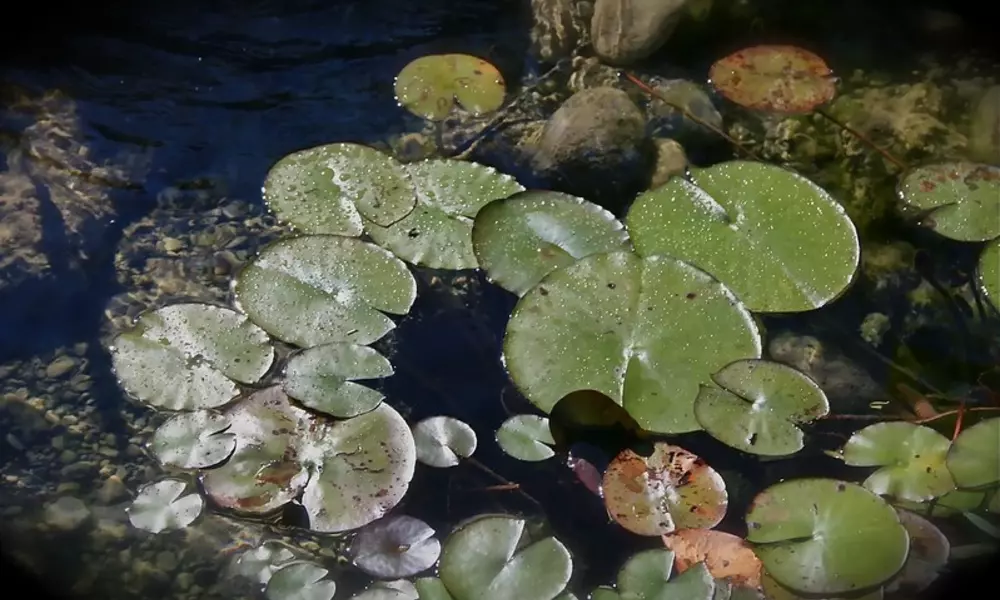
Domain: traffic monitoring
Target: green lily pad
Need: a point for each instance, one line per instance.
(670, 489)
(759, 407)
(194, 440)
(779, 241)
(258, 564)
(974, 457)
(988, 272)
(646, 332)
(826, 537)
(398, 546)
(526, 437)
(774, 78)
(189, 356)
(646, 576)
(379, 592)
(160, 506)
(929, 552)
(320, 378)
(959, 200)
(912, 458)
(951, 504)
(775, 591)
(430, 85)
(349, 473)
(437, 233)
(317, 289)
(520, 239)
(605, 593)
(301, 580)
(443, 441)
(494, 557)
(328, 189)
(432, 588)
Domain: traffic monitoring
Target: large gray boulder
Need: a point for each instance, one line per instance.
(626, 31)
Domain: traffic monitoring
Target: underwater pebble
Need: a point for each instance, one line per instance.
(59, 367)
(66, 513)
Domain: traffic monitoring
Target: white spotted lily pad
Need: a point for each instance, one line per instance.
(438, 232)
(774, 78)
(161, 506)
(430, 85)
(395, 547)
(348, 473)
(318, 289)
(958, 200)
(759, 406)
(779, 241)
(190, 356)
(646, 332)
(974, 459)
(258, 564)
(328, 189)
(988, 272)
(526, 437)
(911, 457)
(495, 557)
(300, 580)
(321, 378)
(443, 441)
(670, 489)
(195, 440)
(826, 537)
(520, 239)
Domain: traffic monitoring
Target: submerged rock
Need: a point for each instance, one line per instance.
(558, 28)
(625, 31)
(984, 132)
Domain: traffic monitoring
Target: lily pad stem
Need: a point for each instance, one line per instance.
(889, 157)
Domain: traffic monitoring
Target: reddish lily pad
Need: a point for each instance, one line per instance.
(670, 489)
(430, 85)
(778, 78)
(725, 555)
(959, 200)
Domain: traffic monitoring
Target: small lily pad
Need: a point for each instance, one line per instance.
(495, 557)
(195, 440)
(912, 458)
(670, 489)
(317, 289)
(726, 556)
(432, 588)
(437, 233)
(443, 441)
(328, 189)
(189, 356)
(430, 85)
(808, 532)
(526, 437)
(775, 591)
(929, 552)
(320, 378)
(759, 407)
(646, 574)
(395, 547)
(774, 78)
(646, 332)
(778, 240)
(258, 564)
(301, 580)
(974, 459)
(988, 272)
(160, 506)
(959, 200)
(520, 239)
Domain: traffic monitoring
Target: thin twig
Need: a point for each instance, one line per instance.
(863, 138)
(504, 482)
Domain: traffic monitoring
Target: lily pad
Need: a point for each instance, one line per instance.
(189, 356)
(160, 506)
(443, 441)
(301, 580)
(646, 332)
(317, 289)
(646, 575)
(328, 189)
(520, 239)
(494, 557)
(258, 564)
(670, 489)
(759, 407)
(912, 458)
(775, 591)
(775, 238)
(195, 440)
(430, 85)
(432, 588)
(348, 472)
(395, 547)
(726, 556)
(774, 78)
(808, 532)
(320, 378)
(959, 200)
(526, 437)
(988, 272)
(377, 592)
(974, 459)
(437, 233)
(929, 552)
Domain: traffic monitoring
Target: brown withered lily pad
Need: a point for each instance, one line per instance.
(725, 555)
(671, 489)
(774, 78)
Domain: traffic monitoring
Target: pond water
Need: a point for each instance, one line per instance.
(135, 151)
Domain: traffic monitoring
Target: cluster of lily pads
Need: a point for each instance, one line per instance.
(657, 313)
